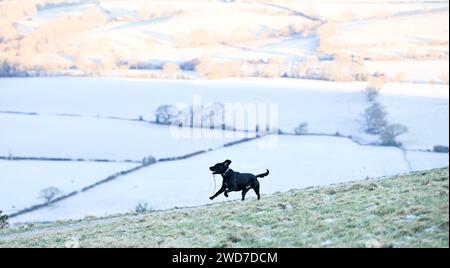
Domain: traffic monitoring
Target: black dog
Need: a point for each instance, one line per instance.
(235, 181)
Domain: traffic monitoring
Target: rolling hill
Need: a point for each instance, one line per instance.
(401, 211)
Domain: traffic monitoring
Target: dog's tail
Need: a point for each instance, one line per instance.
(263, 174)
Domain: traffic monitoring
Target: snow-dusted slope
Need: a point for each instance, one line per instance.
(114, 36)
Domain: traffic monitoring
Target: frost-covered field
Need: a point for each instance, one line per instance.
(297, 162)
(95, 138)
(22, 181)
(328, 107)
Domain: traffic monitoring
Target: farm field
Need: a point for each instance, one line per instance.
(422, 108)
(295, 163)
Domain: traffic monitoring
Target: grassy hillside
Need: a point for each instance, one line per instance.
(403, 211)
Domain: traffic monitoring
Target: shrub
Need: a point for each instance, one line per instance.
(301, 129)
(142, 207)
(148, 160)
(3, 220)
(390, 133)
(375, 118)
(440, 149)
(49, 194)
(166, 114)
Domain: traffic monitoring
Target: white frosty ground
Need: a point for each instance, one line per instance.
(95, 138)
(296, 163)
(327, 106)
(21, 181)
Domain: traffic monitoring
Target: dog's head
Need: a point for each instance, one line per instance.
(220, 168)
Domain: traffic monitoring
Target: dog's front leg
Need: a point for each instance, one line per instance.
(221, 190)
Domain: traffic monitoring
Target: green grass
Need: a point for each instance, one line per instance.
(403, 211)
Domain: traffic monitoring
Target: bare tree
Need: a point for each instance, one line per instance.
(49, 194)
(371, 93)
(301, 129)
(390, 133)
(165, 114)
(375, 118)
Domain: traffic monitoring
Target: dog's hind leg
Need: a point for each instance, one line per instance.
(244, 192)
(255, 187)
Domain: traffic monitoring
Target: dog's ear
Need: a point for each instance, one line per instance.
(227, 163)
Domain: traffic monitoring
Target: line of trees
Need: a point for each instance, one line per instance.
(375, 117)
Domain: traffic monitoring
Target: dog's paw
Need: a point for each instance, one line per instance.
(225, 194)
(211, 198)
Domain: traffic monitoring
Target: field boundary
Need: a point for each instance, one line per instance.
(66, 159)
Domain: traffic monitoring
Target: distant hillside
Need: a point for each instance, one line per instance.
(403, 211)
(341, 40)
